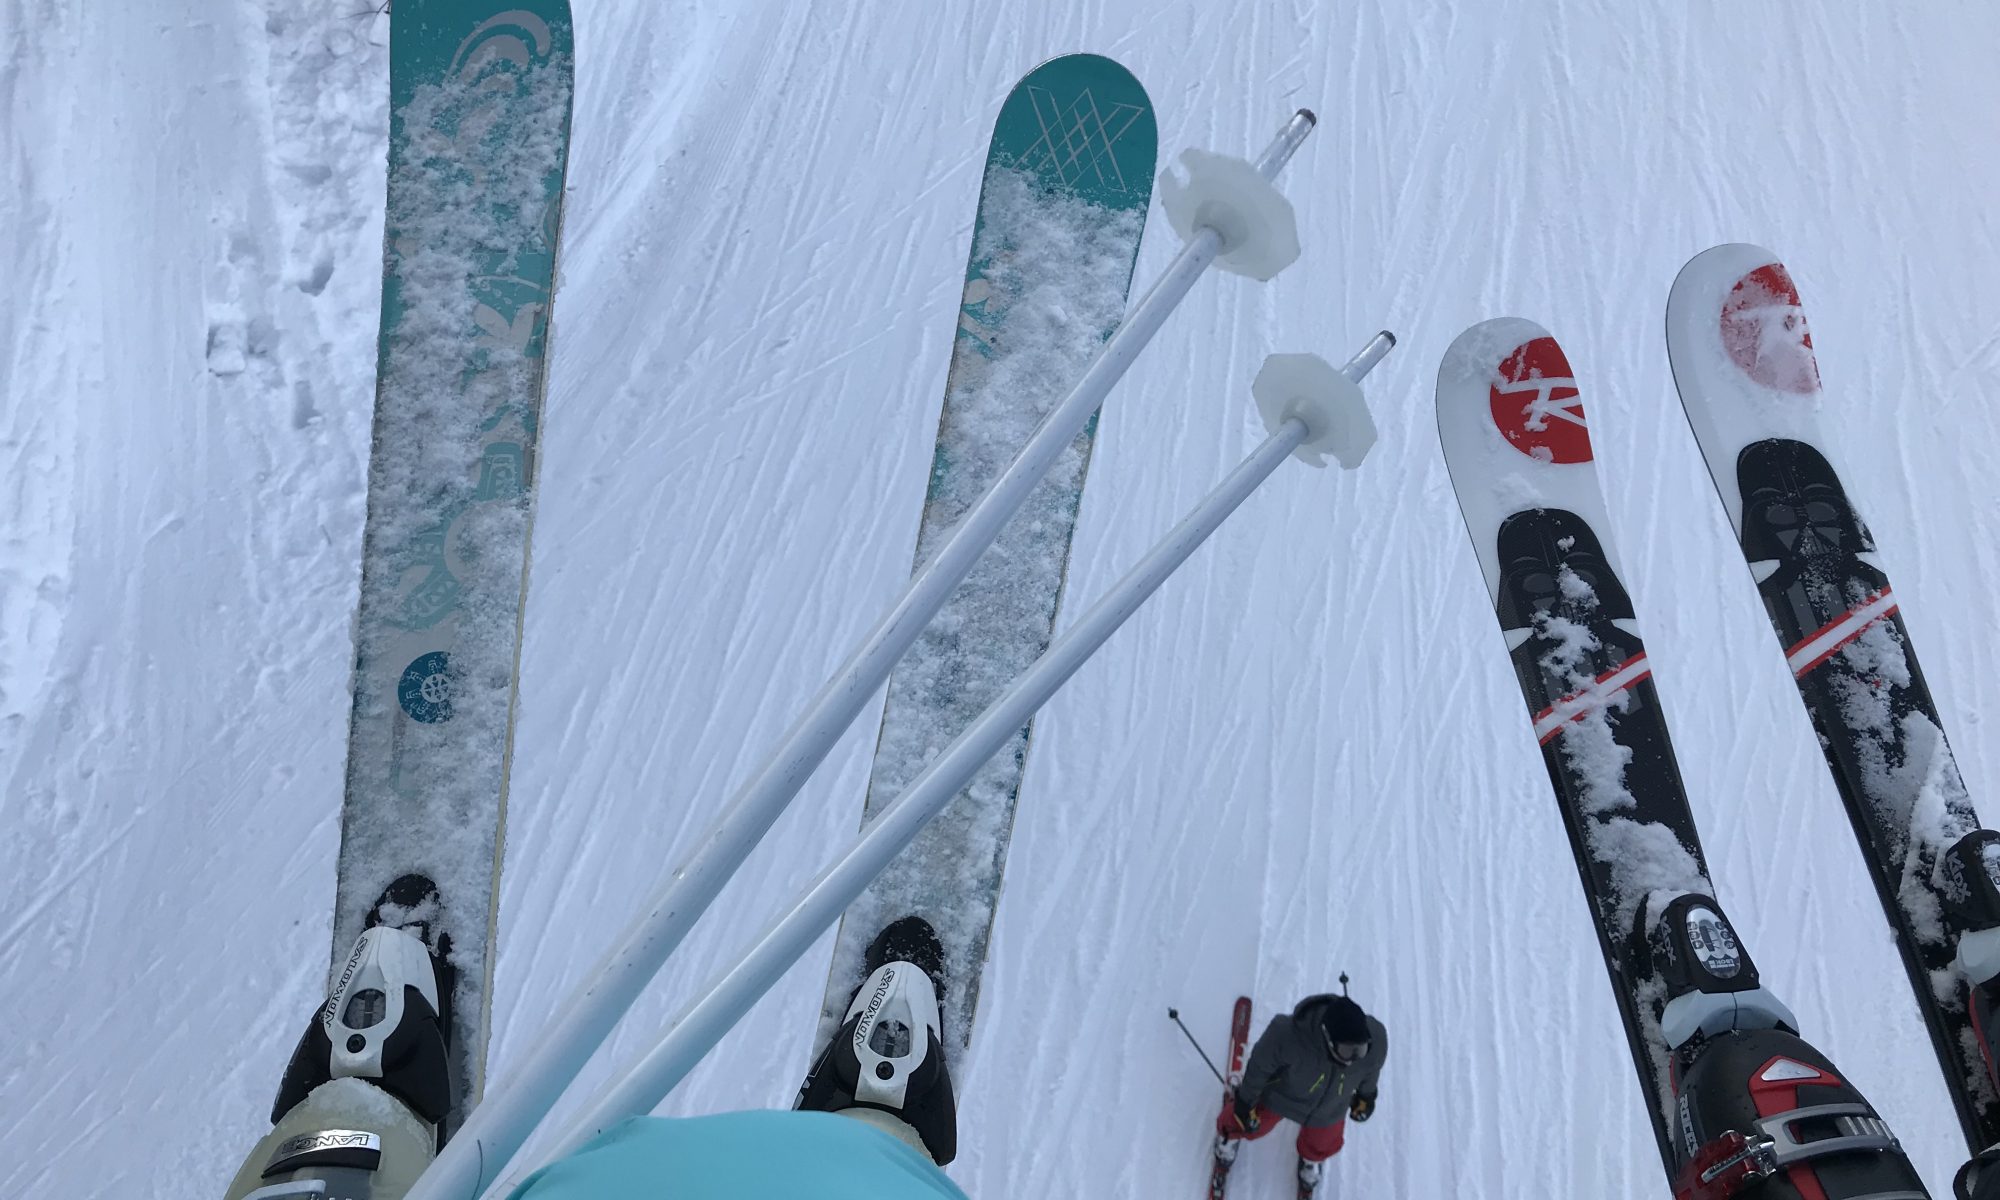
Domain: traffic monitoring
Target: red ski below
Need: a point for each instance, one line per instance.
(1239, 1042)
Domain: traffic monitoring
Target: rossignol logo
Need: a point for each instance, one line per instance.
(1687, 1127)
(1763, 328)
(1536, 405)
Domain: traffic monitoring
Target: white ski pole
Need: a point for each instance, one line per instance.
(1232, 216)
(1311, 410)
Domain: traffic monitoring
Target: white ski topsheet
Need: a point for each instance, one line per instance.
(1510, 371)
(451, 483)
(1061, 263)
(1743, 356)
(1304, 755)
(1512, 422)
(1743, 361)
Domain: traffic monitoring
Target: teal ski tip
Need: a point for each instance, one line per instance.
(1082, 124)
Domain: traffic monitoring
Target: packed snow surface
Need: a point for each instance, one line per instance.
(1307, 754)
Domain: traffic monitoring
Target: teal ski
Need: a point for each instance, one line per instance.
(1069, 178)
(479, 137)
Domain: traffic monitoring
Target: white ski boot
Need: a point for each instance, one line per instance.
(361, 1109)
(886, 1065)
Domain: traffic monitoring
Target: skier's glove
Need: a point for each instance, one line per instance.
(1362, 1106)
(1237, 1118)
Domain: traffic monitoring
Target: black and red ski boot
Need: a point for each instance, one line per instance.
(1758, 1112)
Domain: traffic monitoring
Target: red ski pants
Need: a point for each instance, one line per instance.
(1317, 1143)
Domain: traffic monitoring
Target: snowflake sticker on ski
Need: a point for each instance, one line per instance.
(1537, 407)
(1764, 331)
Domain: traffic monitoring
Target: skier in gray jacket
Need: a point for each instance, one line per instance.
(1318, 1066)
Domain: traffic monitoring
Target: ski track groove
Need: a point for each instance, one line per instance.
(37, 446)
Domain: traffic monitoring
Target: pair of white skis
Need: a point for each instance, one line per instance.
(1511, 419)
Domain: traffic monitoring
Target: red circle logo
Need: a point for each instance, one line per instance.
(1764, 331)
(1536, 405)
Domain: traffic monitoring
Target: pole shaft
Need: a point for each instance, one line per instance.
(702, 1025)
(1204, 1054)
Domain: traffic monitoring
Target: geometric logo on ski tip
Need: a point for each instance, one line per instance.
(1077, 140)
(425, 688)
(1764, 331)
(1595, 696)
(1536, 405)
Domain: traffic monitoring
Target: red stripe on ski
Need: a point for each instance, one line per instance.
(1601, 692)
(1825, 641)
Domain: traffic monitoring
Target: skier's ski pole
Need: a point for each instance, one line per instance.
(1175, 1015)
(1232, 215)
(1312, 410)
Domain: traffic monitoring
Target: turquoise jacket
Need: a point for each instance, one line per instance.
(764, 1155)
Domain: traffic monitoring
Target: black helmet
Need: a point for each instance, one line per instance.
(1346, 1029)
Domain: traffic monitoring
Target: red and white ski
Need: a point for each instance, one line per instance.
(1517, 444)
(1743, 362)
(1239, 1043)
(1717, 1055)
